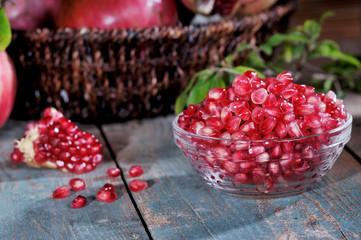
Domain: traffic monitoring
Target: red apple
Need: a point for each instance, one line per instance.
(8, 86)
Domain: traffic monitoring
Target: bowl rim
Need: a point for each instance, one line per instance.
(339, 128)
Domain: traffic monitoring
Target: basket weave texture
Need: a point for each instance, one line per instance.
(105, 76)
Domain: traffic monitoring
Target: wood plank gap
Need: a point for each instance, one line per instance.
(112, 154)
(352, 153)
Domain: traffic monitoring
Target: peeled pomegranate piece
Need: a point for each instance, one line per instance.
(56, 142)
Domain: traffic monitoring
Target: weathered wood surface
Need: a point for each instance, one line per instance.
(27, 210)
(178, 205)
(355, 141)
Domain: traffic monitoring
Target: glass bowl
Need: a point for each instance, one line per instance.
(263, 167)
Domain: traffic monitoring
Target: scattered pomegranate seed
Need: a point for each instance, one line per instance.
(137, 185)
(56, 142)
(135, 171)
(106, 196)
(61, 192)
(113, 172)
(108, 187)
(77, 184)
(79, 202)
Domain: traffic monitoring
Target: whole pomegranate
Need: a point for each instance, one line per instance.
(8, 86)
(116, 14)
(227, 8)
(29, 15)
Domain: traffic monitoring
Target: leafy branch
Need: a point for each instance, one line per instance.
(297, 51)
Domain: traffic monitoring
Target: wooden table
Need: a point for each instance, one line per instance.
(177, 204)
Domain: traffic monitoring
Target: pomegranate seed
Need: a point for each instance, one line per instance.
(298, 99)
(288, 93)
(262, 158)
(281, 129)
(276, 151)
(304, 109)
(196, 126)
(241, 178)
(226, 115)
(215, 123)
(225, 135)
(285, 106)
(274, 169)
(79, 202)
(273, 112)
(256, 150)
(248, 128)
(259, 96)
(294, 130)
(289, 117)
(217, 94)
(106, 196)
(252, 75)
(221, 152)
(135, 171)
(233, 124)
(287, 147)
(241, 85)
(285, 77)
(208, 132)
(257, 115)
(108, 187)
(246, 167)
(113, 172)
(61, 192)
(270, 100)
(137, 185)
(16, 156)
(239, 156)
(313, 121)
(230, 166)
(77, 184)
(267, 125)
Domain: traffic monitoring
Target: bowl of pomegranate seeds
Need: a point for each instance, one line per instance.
(263, 136)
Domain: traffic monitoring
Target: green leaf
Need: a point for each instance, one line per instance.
(255, 60)
(180, 103)
(241, 48)
(312, 29)
(287, 53)
(324, 16)
(5, 30)
(330, 49)
(181, 100)
(202, 87)
(267, 49)
(327, 85)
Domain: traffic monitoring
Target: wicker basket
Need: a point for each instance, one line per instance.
(105, 76)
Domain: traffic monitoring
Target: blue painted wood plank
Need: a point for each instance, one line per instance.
(178, 205)
(27, 210)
